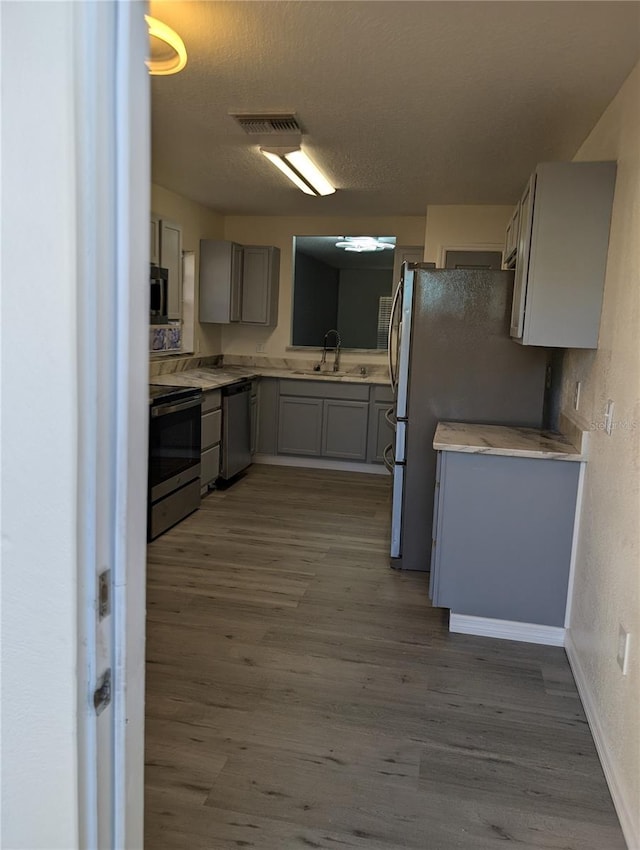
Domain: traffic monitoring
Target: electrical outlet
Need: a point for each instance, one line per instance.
(260, 348)
(576, 395)
(608, 417)
(623, 649)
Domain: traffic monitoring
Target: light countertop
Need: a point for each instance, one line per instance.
(212, 378)
(504, 440)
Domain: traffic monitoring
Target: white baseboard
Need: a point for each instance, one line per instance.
(506, 629)
(624, 808)
(321, 463)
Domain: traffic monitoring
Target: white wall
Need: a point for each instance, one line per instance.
(607, 582)
(458, 225)
(279, 231)
(39, 429)
(198, 222)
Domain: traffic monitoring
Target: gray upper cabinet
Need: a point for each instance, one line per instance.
(220, 281)
(165, 250)
(260, 285)
(238, 283)
(561, 254)
(511, 240)
(344, 429)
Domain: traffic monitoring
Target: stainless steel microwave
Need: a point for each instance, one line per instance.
(159, 282)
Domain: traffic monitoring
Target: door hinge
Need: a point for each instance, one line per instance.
(102, 693)
(104, 594)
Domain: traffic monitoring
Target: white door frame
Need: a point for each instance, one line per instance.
(113, 197)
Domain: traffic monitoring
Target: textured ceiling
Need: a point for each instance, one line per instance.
(403, 104)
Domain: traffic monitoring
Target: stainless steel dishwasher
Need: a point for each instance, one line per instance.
(236, 428)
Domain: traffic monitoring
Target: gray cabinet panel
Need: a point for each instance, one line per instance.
(254, 424)
(260, 283)
(382, 393)
(299, 426)
(504, 534)
(220, 281)
(325, 389)
(381, 434)
(211, 428)
(561, 256)
(344, 429)
(268, 416)
(211, 400)
(209, 465)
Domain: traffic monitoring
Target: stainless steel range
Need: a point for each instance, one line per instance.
(174, 456)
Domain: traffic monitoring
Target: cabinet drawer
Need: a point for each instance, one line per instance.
(382, 393)
(209, 465)
(324, 389)
(211, 400)
(211, 428)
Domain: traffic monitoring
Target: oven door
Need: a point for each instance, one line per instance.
(174, 446)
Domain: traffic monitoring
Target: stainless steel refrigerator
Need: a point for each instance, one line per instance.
(451, 359)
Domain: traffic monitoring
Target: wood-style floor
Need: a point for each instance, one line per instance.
(300, 694)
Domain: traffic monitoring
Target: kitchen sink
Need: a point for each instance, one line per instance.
(315, 374)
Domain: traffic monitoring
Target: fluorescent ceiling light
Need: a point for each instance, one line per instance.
(162, 65)
(361, 244)
(300, 170)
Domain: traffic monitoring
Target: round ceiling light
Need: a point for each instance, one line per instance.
(363, 243)
(168, 53)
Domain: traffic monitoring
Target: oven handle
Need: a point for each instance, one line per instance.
(164, 409)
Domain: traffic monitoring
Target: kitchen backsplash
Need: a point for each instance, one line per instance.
(165, 338)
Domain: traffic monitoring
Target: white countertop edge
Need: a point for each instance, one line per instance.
(499, 441)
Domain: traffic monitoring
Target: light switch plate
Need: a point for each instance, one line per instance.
(623, 649)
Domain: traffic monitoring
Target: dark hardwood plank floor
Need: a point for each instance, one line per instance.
(300, 694)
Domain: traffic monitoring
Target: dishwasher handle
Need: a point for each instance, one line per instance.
(238, 387)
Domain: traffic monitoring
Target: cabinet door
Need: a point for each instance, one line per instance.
(344, 429)
(268, 416)
(522, 259)
(260, 284)
(171, 259)
(209, 465)
(237, 260)
(435, 565)
(381, 434)
(255, 285)
(254, 424)
(511, 239)
(299, 426)
(154, 241)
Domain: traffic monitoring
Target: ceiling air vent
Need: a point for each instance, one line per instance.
(268, 124)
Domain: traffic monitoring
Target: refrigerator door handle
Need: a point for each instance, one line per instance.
(388, 461)
(390, 416)
(393, 366)
(396, 511)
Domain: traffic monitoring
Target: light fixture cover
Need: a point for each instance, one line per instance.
(164, 33)
(361, 244)
(299, 169)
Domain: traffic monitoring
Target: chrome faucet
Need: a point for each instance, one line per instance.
(336, 362)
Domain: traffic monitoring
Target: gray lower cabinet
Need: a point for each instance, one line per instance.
(381, 433)
(267, 436)
(339, 420)
(502, 536)
(211, 435)
(344, 429)
(300, 426)
(255, 389)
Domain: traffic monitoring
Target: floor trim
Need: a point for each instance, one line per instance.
(623, 807)
(506, 629)
(321, 463)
